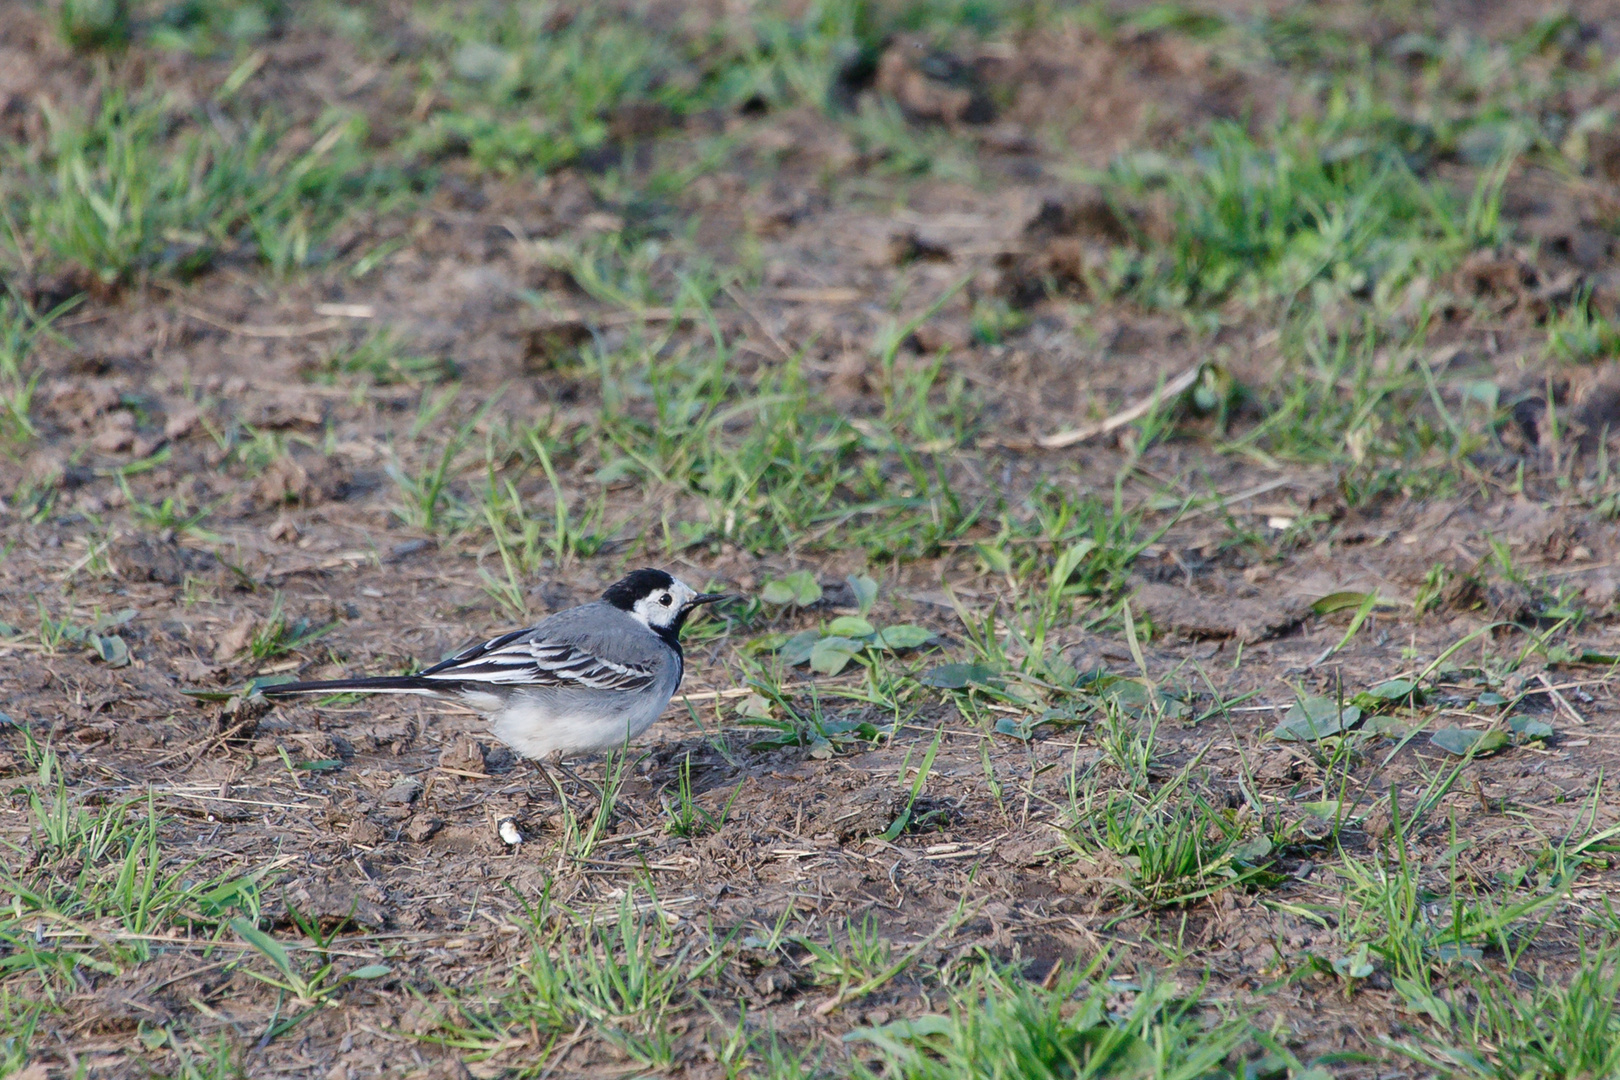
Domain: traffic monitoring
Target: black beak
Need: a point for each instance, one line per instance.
(710, 598)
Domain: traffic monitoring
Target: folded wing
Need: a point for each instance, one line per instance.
(517, 659)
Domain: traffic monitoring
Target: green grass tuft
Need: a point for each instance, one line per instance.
(141, 187)
(1085, 1026)
(1334, 203)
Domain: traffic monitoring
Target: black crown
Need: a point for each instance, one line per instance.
(636, 585)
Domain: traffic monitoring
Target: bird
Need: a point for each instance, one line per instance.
(583, 680)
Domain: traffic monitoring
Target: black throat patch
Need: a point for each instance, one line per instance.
(671, 634)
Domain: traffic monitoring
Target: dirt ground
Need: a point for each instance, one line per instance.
(220, 483)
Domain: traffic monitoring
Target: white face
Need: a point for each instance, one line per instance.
(663, 607)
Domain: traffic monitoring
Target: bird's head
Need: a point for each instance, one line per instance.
(657, 600)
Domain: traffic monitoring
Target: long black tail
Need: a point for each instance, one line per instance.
(381, 684)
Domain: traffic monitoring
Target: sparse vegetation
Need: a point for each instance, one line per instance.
(137, 187)
(1165, 457)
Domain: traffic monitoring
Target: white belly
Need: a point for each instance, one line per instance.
(538, 726)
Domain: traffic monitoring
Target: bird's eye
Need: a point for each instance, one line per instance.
(664, 599)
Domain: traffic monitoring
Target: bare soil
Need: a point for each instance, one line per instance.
(396, 846)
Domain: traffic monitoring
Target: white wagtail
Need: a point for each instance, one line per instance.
(583, 680)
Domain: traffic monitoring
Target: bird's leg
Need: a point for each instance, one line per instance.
(626, 768)
(562, 796)
(576, 778)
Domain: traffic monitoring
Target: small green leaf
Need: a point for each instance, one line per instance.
(1314, 718)
(255, 685)
(232, 893)
(1393, 726)
(894, 1036)
(1339, 601)
(1394, 689)
(799, 588)
(1019, 727)
(1528, 728)
(777, 592)
(371, 971)
(865, 590)
(785, 734)
(1491, 697)
(765, 643)
(755, 706)
(1252, 851)
(831, 654)
(1385, 694)
(899, 824)
(326, 765)
(1064, 715)
(904, 636)
(209, 695)
(96, 964)
(1461, 741)
(1066, 564)
(850, 626)
(806, 591)
(1266, 1067)
(1598, 658)
(1420, 999)
(959, 676)
(1137, 697)
(796, 649)
(110, 648)
(1449, 952)
(1354, 966)
(266, 944)
(995, 559)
